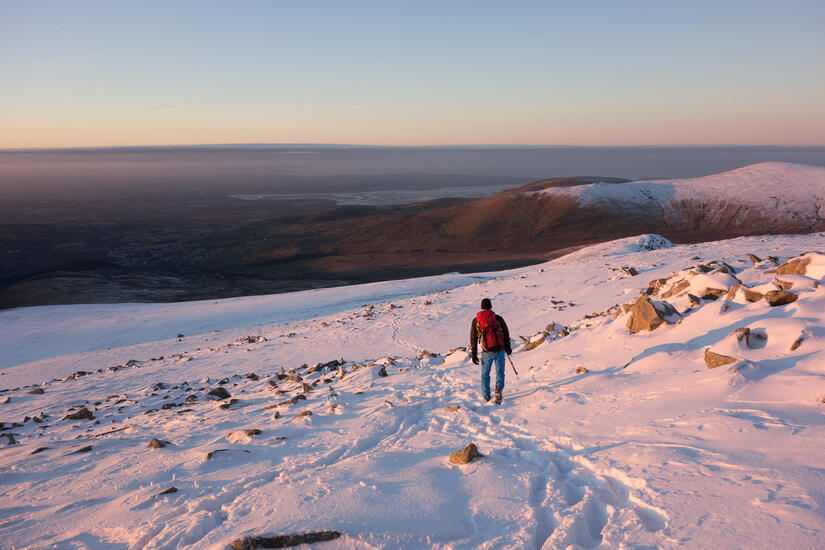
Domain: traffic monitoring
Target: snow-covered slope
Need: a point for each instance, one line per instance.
(605, 439)
(769, 194)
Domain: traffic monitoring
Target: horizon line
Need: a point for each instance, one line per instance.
(376, 146)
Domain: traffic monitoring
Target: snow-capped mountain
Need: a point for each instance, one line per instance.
(668, 396)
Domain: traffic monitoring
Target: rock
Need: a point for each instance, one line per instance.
(82, 414)
(713, 293)
(332, 408)
(5, 400)
(581, 370)
(305, 388)
(655, 286)
(283, 541)
(85, 449)
(713, 360)
(732, 292)
(532, 343)
(38, 450)
(239, 435)
(227, 404)
(795, 266)
(168, 491)
(36, 391)
(751, 339)
(180, 335)
(647, 315)
(780, 297)
(752, 295)
(155, 443)
(754, 258)
(798, 342)
(631, 271)
(382, 371)
(451, 408)
(10, 440)
(304, 413)
(465, 455)
(220, 392)
(676, 288)
(424, 353)
(784, 285)
(276, 415)
(191, 398)
(694, 301)
(252, 376)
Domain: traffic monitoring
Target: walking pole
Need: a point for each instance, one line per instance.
(512, 365)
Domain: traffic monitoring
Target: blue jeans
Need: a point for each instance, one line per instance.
(487, 360)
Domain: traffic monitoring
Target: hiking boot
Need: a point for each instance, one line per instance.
(498, 396)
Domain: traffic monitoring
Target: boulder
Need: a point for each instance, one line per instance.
(648, 315)
(36, 391)
(780, 297)
(465, 455)
(581, 370)
(676, 288)
(713, 360)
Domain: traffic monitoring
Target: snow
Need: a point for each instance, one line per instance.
(646, 449)
(781, 191)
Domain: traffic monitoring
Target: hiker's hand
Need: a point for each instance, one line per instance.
(475, 359)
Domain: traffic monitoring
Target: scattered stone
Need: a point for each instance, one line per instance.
(382, 371)
(780, 297)
(581, 370)
(220, 393)
(85, 449)
(798, 342)
(784, 285)
(304, 413)
(305, 388)
(465, 455)
(10, 440)
(283, 541)
(752, 295)
(451, 408)
(252, 376)
(754, 258)
(732, 292)
(227, 404)
(211, 454)
(168, 491)
(5, 400)
(82, 414)
(291, 400)
(713, 360)
(38, 450)
(532, 343)
(180, 335)
(36, 391)
(676, 288)
(751, 339)
(191, 398)
(648, 315)
(424, 353)
(156, 443)
(238, 435)
(713, 293)
(694, 301)
(276, 415)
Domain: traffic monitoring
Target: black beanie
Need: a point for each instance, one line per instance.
(486, 304)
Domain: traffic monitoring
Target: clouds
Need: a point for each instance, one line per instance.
(165, 110)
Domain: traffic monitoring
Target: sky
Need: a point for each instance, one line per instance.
(107, 73)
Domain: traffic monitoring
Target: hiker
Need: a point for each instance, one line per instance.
(492, 331)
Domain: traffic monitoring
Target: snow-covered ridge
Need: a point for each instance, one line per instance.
(780, 191)
(606, 439)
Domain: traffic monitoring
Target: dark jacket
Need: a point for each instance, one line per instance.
(475, 336)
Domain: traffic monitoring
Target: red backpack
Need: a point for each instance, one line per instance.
(491, 337)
